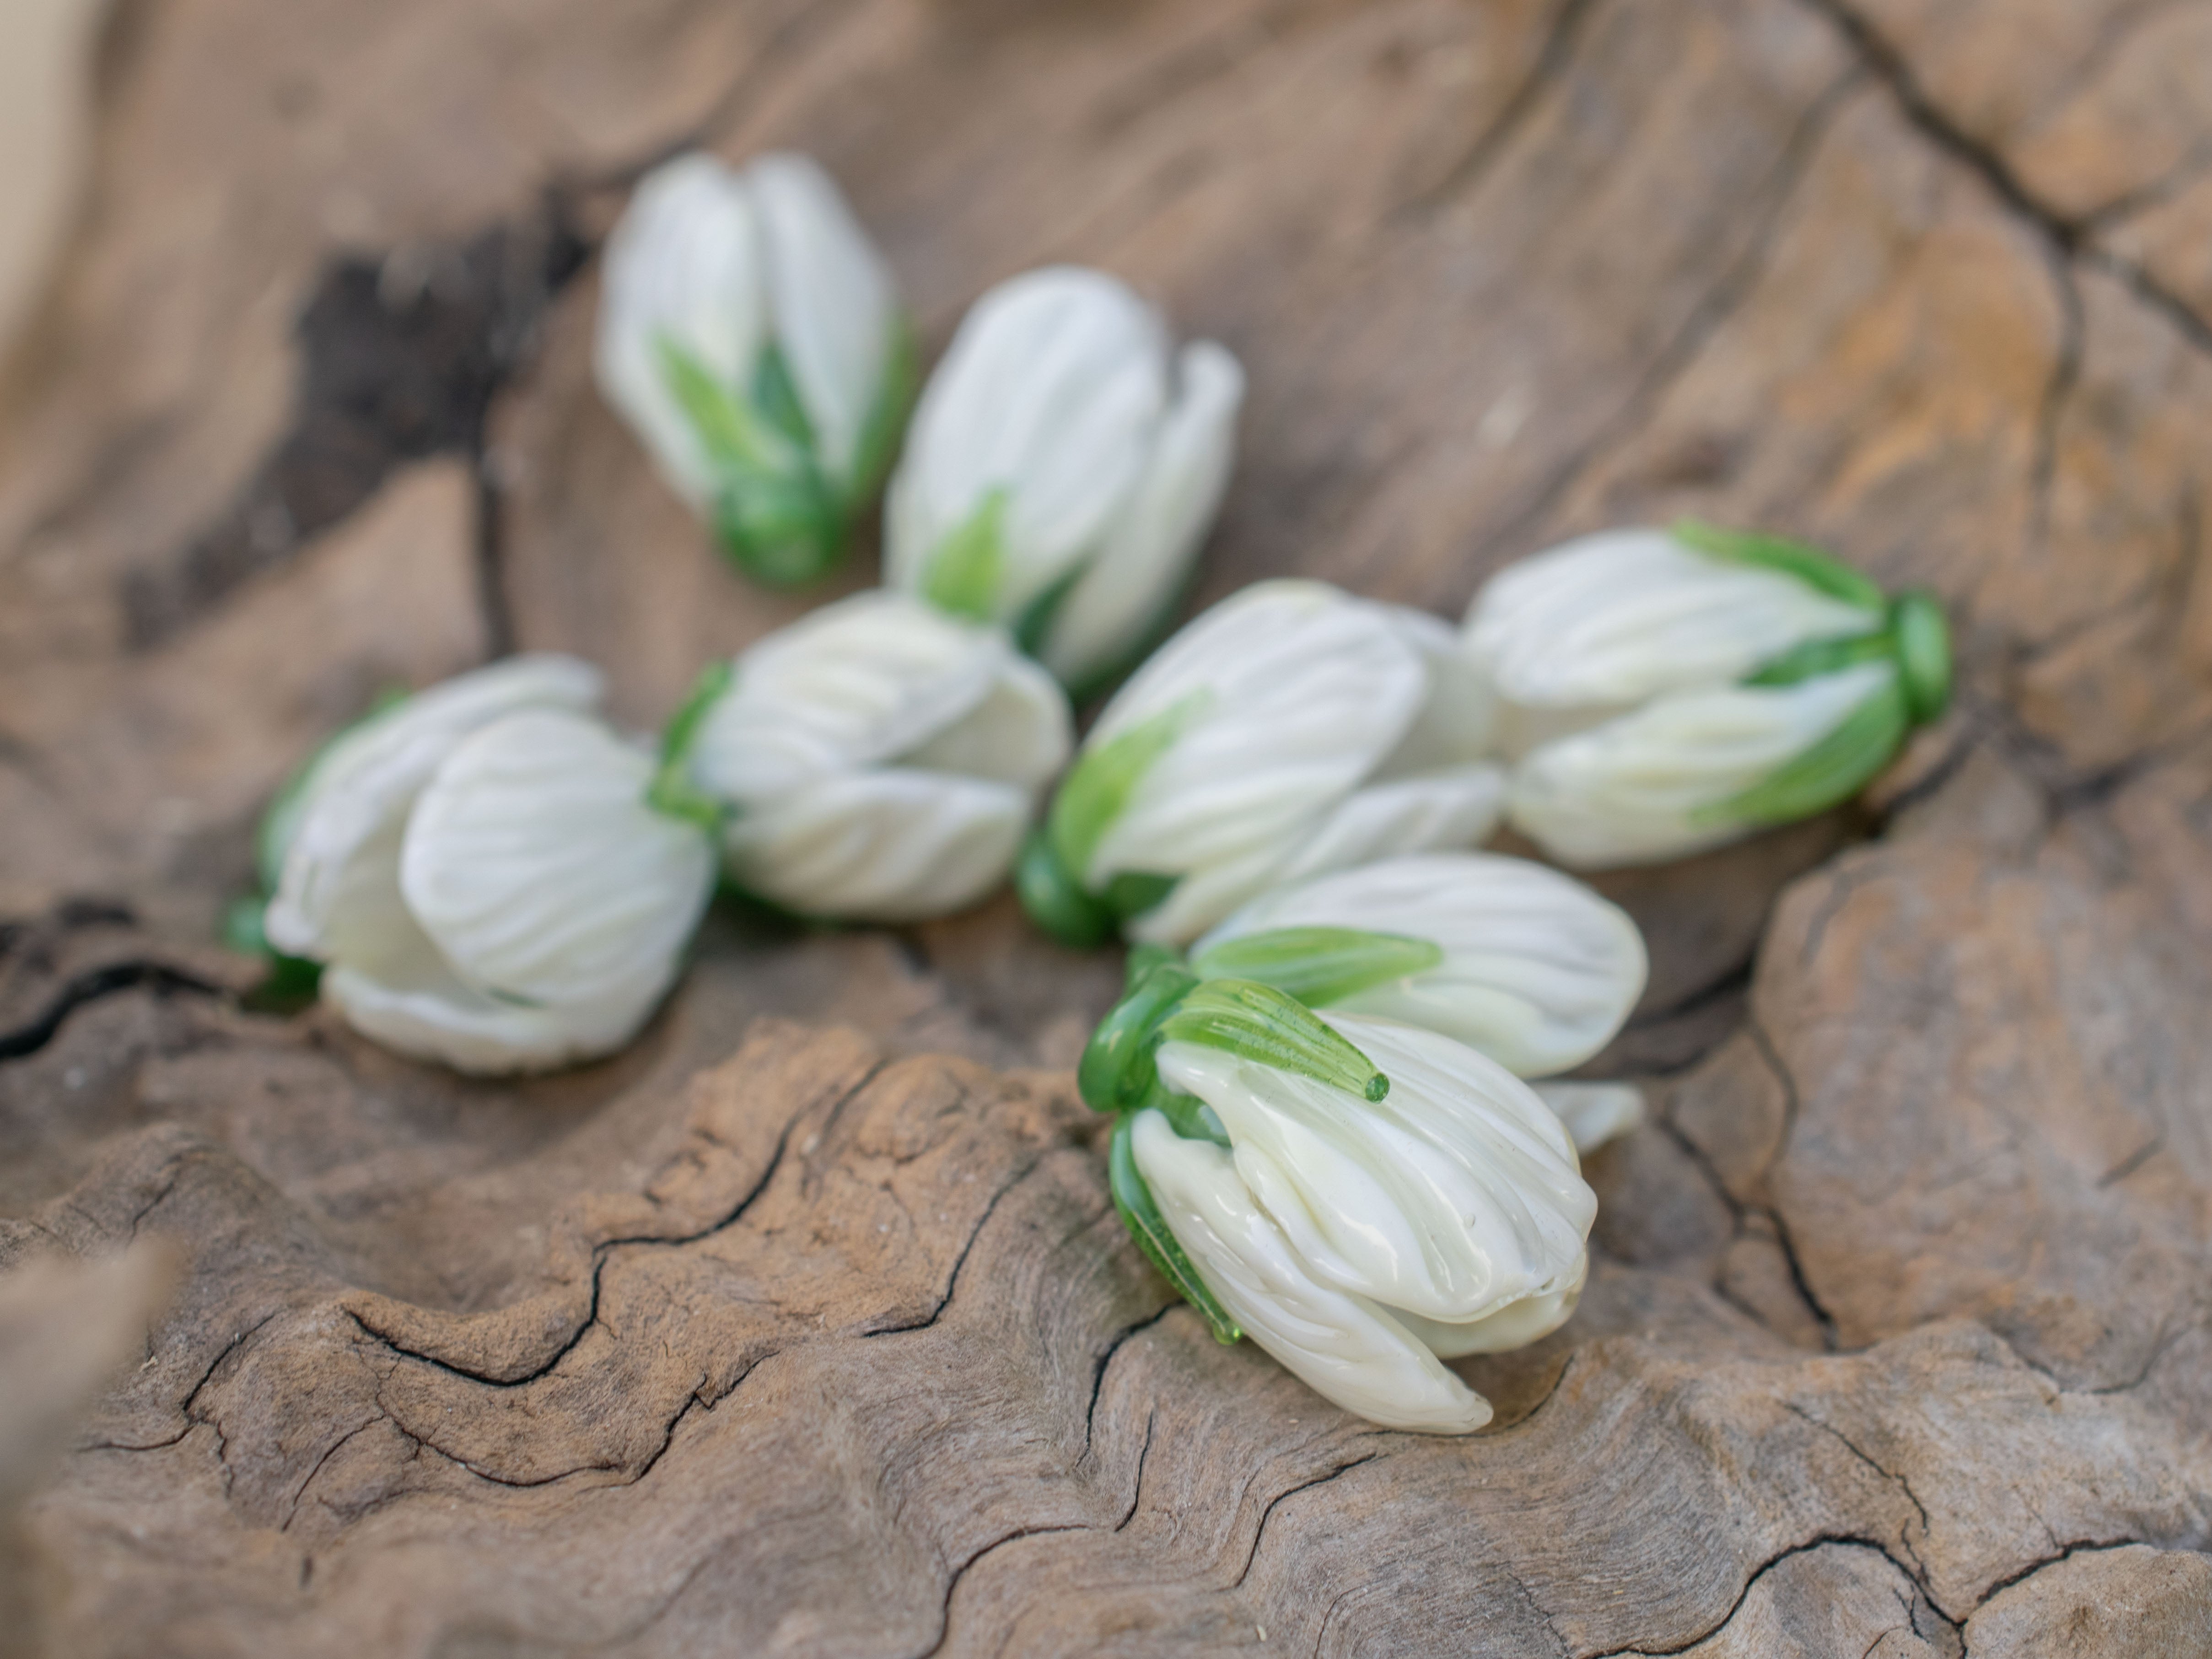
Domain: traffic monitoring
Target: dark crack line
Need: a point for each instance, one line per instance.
(2134, 1161)
(191, 1398)
(1106, 1358)
(95, 985)
(952, 1585)
(1889, 64)
(301, 1491)
(1553, 57)
(953, 1280)
(602, 1252)
(1842, 886)
(1829, 1338)
(2057, 391)
(2152, 193)
(1636, 1650)
(1920, 1567)
(1259, 1532)
(1937, 778)
(1137, 1487)
(2072, 235)
(1741, 1211)
(1550, 1394)
(2085, 1546)
(1792, 1102)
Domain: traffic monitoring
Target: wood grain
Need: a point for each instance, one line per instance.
(806, 1325)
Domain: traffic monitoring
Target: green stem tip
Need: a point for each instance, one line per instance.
(1923, 643)
(671, 792)
(1056, 901)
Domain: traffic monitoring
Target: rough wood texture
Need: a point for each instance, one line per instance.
(773, 1337)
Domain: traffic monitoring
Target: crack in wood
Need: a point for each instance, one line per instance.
(97, 985)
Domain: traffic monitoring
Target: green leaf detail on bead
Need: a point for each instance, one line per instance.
(1832, 770)
(1319, 965)
(1056, 902)
(778, 519)
(1141, 1215)
(1922, 639)
(969, 565)
(1096, 792)
(1814, 658)
(671, 792)
(1258, 1023)
(1116, 1070)
(887, 416)
(1037, 617)
(1822, 572)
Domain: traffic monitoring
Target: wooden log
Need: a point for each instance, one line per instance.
(806, 1326)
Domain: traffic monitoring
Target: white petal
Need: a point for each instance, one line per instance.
(1146, 557)
(1625, 614)
(1051, 392)
(894, 845)
(1458, 719)
(416, 1006)
(1453, 808)
(339, 894)
(1444, 810)
(1339, 1345)
(1295, 692)
(535, 866)
(1515, 1325)
(857, 684)
(1635, 790)
(833, 304)
(1453, 1197)
(684, 265)
(1595, 1113)
(1539, 972)
(1020, 733)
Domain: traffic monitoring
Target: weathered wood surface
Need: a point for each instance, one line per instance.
(775, 1337)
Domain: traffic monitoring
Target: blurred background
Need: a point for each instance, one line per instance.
(45, 53)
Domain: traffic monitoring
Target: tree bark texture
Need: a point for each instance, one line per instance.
(806, 1326)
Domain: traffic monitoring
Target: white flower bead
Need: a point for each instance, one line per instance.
(1665, 692)
(1614, 618)
(1063, 468)
(607, 951)
(334, 836)
(1338, 1344)
(534, 864)
(1454, 1196)
(750, 335)
(1664, 781)
(1359, 1241)
(882, 761)
(1291, 730)
(1512, 959)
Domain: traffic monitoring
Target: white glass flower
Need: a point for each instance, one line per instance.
(751, 338)
(1291, 730)
(1062, 469)
(482, 874)
(1512, 959)
(882, 761)
(1362, 1199)
(1670, 691)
